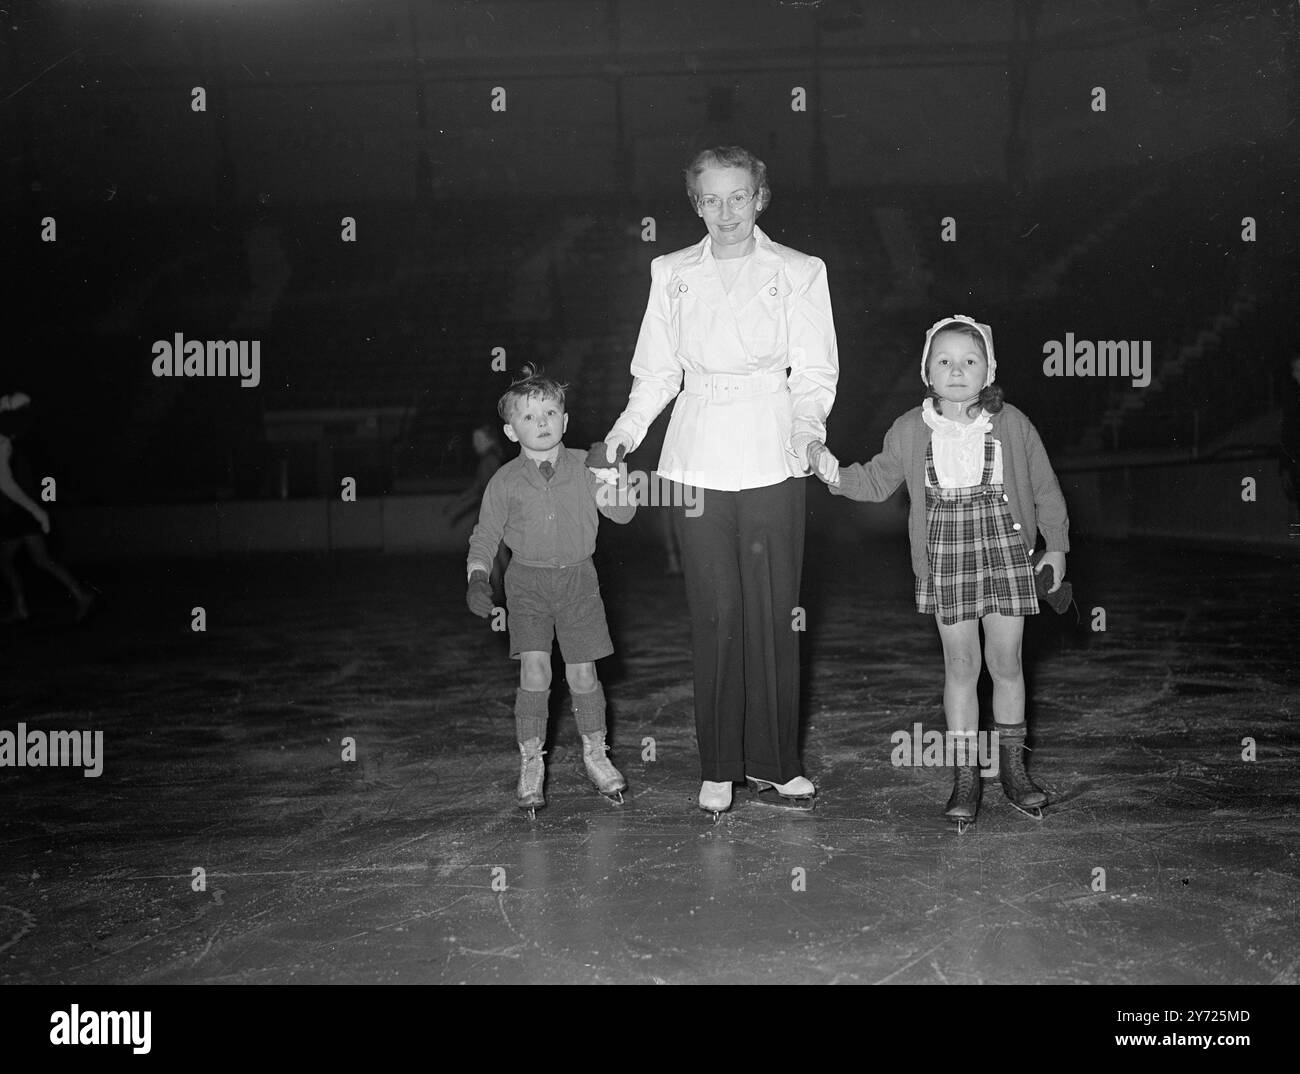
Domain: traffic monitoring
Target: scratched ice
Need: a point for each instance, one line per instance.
(223, 754)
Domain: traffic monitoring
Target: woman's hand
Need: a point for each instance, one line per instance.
(1056, 560)
(610, 474)
(612, 442)
(824, 463)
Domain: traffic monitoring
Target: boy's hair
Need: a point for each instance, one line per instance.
(727, 156)
(990, 398)
(531, 384)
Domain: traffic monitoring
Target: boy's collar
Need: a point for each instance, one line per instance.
(553, 456)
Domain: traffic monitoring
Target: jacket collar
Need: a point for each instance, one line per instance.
(701, 253)
(700, 269)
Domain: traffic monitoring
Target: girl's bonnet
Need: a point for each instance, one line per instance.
(947, 322)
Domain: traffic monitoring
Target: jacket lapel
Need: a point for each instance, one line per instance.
(759, 274)
(700, 273)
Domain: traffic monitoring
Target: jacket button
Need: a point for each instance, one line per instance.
(681, 287)
(1006, 498)
(1016, 526)
(771, 290)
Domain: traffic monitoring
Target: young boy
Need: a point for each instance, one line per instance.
(544, 504)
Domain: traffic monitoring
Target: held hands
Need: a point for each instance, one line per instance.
(479, 595)
(1055, 560)
(604, 458)
(826, 465)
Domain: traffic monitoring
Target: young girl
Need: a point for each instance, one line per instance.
(981, 488)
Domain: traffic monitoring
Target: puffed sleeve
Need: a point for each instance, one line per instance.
(814, 360)
(656, 369)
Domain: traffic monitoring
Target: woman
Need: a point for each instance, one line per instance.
(741, 327)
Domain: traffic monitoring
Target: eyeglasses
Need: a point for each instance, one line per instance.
(711, 203)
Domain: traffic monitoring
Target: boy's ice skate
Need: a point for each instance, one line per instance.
(532, 774)
(797, 794)
(715, 798)
(604, 776)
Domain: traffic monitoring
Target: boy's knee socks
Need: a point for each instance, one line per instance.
(589, 710)
(531, 714)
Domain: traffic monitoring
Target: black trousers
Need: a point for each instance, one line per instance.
(743, 556)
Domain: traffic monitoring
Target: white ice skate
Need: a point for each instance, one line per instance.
(797, 794)
(604, 776)
(715, 798)
(532, 774)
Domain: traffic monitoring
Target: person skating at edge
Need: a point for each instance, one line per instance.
(23, 521)
(981, 488)
(490, 456)
(545, 504)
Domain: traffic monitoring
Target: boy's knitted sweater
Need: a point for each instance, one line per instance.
(1029, 484)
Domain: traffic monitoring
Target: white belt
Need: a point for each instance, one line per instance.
(720, 388)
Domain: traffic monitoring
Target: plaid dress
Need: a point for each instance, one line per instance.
(978, 563)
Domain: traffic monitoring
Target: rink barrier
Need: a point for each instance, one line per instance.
(1187, 501)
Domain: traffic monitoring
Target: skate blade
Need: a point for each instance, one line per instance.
(1032, 812)
(613, 797)
(963, 823)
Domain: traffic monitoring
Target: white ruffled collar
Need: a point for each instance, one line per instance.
(951, 429)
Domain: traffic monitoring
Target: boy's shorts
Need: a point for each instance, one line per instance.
(543, 603)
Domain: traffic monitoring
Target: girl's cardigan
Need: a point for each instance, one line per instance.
(1030, 487)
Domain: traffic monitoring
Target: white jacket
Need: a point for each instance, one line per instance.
(738, 422)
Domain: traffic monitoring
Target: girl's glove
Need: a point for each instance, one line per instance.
(479, 595)
(1049, 581)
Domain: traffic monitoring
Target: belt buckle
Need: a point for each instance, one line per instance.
(720, 394)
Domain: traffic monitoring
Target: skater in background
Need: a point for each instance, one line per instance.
(738, 329)
(1289, 448)
(545, 505)
(981, 488)
(23, 521)
(490, 454)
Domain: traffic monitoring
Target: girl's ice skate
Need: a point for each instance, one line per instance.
(964, 802)
(715, 798)
(604, 776)
(797, 794)
(1023, 793)
(532, 774)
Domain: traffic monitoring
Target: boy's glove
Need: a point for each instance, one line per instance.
(598, 457)
(479, 595)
